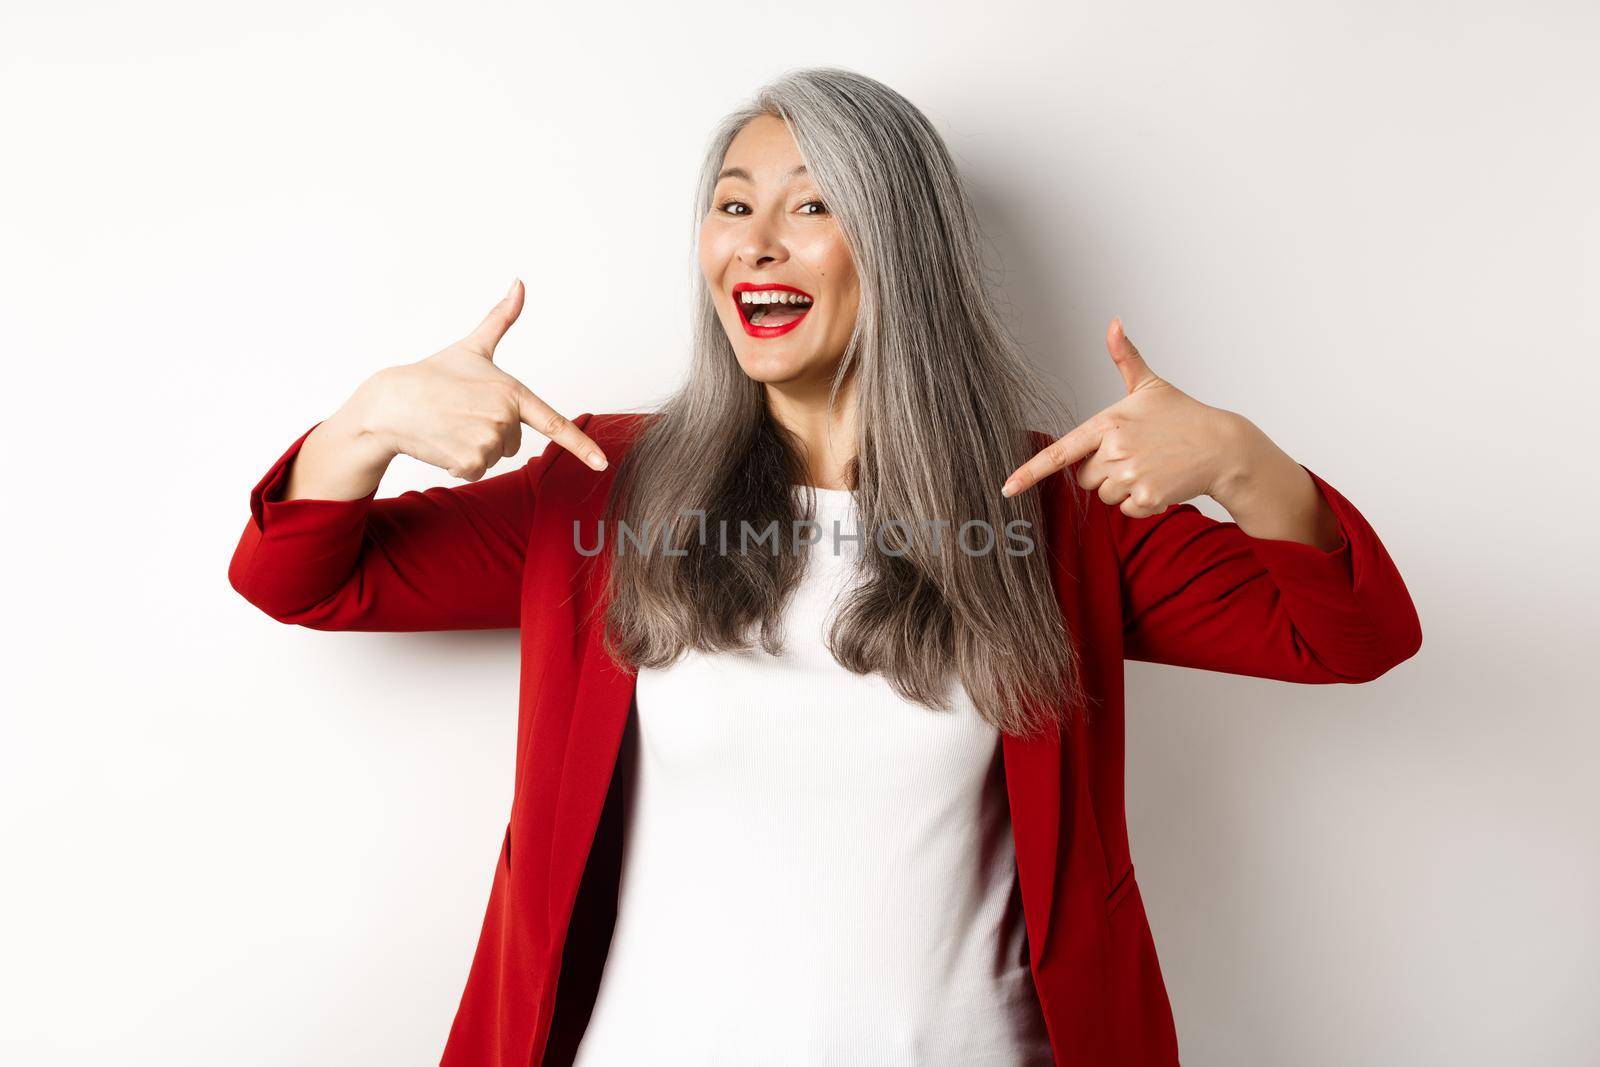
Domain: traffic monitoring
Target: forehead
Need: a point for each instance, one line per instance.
(766, 150)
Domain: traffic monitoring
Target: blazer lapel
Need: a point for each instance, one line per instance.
(1033, 788)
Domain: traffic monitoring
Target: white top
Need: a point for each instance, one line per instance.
(815, 871)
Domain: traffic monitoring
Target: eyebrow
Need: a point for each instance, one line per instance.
(740, 172)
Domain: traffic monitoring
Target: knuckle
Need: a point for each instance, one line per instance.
(553, 425)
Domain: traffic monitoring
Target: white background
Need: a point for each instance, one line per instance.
(1370, 227)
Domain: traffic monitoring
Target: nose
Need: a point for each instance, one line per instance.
(761, 244)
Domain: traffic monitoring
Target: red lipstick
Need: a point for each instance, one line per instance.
(757, 330)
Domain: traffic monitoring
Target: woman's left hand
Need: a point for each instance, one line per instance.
(1159, 446)
(1156, 447)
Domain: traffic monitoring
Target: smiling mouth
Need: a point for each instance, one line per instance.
(771, 306)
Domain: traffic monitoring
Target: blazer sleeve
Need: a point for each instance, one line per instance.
(1198, 592)
(443, 558)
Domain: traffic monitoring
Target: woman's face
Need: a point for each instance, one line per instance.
(769, 232)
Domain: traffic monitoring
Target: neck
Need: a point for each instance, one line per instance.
(828, 437)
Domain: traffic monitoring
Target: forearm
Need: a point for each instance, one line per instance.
(1269, 495)
(339, 460)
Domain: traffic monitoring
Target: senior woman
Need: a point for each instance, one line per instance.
(820, 745)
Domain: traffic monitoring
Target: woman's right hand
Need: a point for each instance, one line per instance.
(455, 410)
(458, 411)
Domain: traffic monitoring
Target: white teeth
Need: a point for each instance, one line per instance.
(772, 296)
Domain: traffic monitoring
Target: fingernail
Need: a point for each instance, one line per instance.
(597, 461)
(1008, 489)
(511, 290)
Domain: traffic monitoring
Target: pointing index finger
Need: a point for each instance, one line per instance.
(1082, 440)
(560, 429)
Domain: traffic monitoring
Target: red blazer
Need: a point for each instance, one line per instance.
(1178, 588)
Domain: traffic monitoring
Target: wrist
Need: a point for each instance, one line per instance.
(1242, 454)
(1255, 468)
(352, 435)
(358, 421)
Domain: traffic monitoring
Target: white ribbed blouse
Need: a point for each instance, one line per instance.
(815, 870)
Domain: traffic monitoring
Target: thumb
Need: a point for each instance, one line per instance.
(1130, 364)
(498, 321)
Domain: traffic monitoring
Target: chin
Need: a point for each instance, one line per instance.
(772, 369)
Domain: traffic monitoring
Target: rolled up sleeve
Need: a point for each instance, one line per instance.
(1199, 592)
(443, 558)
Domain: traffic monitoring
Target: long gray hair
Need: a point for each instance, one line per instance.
(944, 400)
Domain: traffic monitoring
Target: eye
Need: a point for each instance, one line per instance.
(726, 204)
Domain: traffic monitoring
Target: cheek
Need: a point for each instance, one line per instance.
(832, 262)
(847, 292)
(714, 255)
